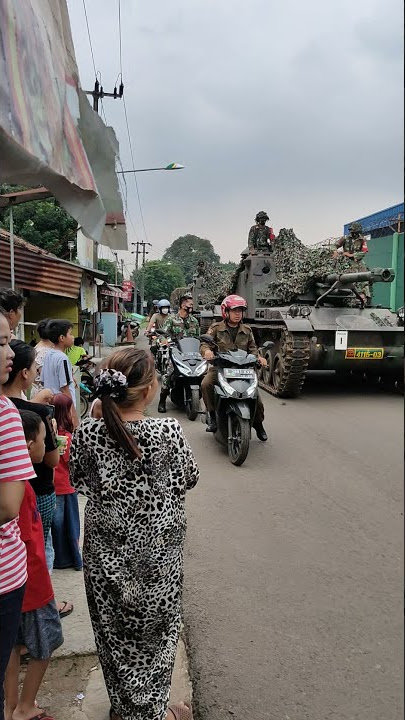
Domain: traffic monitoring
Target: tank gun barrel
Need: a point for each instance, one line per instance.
(371, 276)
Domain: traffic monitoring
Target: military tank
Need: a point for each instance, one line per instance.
(315, 320)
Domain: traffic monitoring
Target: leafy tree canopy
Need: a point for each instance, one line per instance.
(43, 223)
(109, 267)
(187, 251)
(161, 278)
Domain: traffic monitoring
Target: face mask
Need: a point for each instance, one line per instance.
(164, 311)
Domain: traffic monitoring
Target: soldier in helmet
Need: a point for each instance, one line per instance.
(180, 325)
(354, 247)
(230, 334)
(261, 236)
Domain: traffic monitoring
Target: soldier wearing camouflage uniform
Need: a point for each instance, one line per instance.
(180, 325)
(261, 236)
(354, 249)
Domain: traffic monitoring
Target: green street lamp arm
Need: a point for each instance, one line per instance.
(172, 166)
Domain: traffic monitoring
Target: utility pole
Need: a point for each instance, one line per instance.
(122, 270)
(116, 267)
(144, 254)
(136, 253)
(98, 93)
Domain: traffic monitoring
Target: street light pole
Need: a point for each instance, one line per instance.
(172, 166)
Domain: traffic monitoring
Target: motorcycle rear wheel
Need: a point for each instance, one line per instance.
(238, 446)
(193, 405)
(84, 405)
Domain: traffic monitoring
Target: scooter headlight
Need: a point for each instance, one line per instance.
(253, 387)
(226, 387)
(201, 368)
(185, 369)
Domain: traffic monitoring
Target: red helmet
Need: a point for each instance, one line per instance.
(231, 302)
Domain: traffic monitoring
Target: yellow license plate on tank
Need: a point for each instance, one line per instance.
(364, 354)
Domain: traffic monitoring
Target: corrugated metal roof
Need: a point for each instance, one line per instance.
(381, 219)
(36, 269)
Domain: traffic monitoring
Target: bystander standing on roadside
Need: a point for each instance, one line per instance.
(57, 372)
(41, 350)
(135, 471)
(39, 630)
(12, 303)
(66, 518)
(18, 383)
(15, 470)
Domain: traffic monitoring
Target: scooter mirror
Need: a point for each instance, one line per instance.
(207, 339)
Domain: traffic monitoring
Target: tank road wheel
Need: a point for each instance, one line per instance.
(289, 361)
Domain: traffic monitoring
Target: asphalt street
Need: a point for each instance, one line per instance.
(294, 563)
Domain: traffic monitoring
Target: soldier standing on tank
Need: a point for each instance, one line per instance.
(180, 325)
(354, 247)
(261, 236)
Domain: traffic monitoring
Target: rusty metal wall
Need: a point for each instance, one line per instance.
(37, 270)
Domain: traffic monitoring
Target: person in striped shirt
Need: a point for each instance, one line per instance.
(15, 469)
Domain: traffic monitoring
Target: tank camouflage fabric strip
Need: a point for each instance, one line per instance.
(298, 267)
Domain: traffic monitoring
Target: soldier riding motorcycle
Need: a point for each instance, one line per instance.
(230, 335)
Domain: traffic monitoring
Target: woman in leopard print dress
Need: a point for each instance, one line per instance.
(135, 472)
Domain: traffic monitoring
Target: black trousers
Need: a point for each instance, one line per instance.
(10, 612)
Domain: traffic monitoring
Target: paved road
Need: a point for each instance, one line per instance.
(294, 567)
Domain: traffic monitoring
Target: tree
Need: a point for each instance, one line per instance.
(43, 223)
(229, 266)
(160, 279)
(110, 267)
(187, 251)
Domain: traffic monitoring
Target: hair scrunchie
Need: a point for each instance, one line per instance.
(111, 382)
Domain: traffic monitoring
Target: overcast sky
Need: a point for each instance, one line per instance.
(280, 105)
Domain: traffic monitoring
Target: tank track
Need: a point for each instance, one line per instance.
(295, 352)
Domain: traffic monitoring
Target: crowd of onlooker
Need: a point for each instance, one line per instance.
(134, 471)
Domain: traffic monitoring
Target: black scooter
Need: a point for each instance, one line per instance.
(189, 368)
(236, 394)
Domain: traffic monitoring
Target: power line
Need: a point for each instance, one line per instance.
(88, 32)
(134, 173)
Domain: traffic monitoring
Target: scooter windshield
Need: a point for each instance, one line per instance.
(189, 346)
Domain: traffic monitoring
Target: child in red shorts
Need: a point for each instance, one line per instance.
(40, 629)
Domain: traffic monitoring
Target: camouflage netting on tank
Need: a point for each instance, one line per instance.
(176, 295)
(299, 267)
(215, 283)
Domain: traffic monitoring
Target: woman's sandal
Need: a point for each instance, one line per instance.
(181, 712)
(65, 609)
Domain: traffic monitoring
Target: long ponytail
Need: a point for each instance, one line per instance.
(137, 368)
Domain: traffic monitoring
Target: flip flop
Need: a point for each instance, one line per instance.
(43, 716)
(181, 712)
(64, 613)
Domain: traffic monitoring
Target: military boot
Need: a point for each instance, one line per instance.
(212, 422)
(260, 432)
(162, 401)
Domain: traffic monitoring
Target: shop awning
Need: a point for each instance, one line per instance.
(112, 291)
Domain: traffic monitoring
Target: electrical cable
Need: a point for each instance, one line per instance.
(133, 168)
(88, 32)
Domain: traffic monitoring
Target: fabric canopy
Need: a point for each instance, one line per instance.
(49, 134)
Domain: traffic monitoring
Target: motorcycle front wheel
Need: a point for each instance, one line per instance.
(238, 444)
(193, 405)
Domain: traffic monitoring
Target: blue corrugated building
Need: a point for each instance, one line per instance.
(381, 223)
(385, 249)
